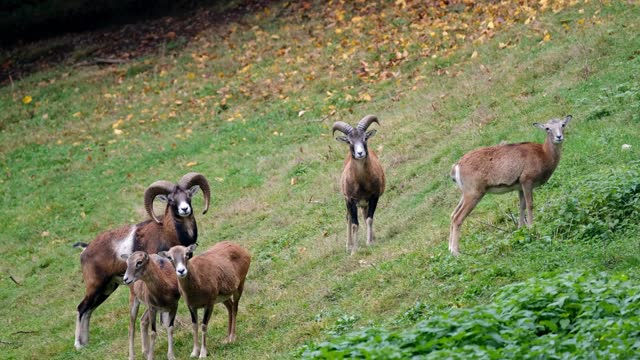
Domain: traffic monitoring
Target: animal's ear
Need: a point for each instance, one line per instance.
(343, 139)
(567, 119)
(190, 249)
(370, 134)
(125, 257)
(164, 254)
(162, 198)
(194, 189)
(146, 257)
(540, 126)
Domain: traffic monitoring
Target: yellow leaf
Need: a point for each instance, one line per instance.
(116, 124)
(178, 102)
(546, 37)
(294, 181)
(364, 97)
(356, 19)
(502, 45)
(192, 163)
(474, 55)
(191, 76)
(245, 69)
(78, 114)
(117, 131)
(27, 99)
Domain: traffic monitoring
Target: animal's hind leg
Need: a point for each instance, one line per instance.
(352, 226)
(470, 202)
(453, 214)
(96, 293)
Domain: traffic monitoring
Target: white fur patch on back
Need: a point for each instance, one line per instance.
(125, 245)
(456, 175)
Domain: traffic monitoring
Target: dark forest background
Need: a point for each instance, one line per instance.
(22, 21)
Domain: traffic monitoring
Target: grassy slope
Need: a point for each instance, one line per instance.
(67, 176)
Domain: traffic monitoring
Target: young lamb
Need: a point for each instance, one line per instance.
(215, 276)
(102, 267)
(157, 288)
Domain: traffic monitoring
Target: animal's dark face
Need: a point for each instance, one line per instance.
(357, 141)
(180, 200)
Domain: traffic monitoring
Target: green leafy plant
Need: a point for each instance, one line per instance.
(571, 315)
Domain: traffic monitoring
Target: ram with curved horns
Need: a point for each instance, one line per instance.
(102, 266)
(362, 180)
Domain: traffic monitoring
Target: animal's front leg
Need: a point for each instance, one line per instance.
(352, 214)
(194, 325)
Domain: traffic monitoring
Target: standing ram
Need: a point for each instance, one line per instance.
(102, 266)
(362, 180)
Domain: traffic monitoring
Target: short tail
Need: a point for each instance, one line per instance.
(80, 245)
(455, 175)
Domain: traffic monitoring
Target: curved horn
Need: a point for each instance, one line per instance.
(366, 121)
(194, 178)
(160, 187)
(342, 127)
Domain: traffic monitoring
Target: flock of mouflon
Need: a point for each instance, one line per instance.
(156, 257)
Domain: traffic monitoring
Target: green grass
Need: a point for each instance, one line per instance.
(66, 175)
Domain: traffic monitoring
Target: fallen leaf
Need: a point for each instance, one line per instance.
(27, 99)
(117, 124)
(117, 131)
(192, 163)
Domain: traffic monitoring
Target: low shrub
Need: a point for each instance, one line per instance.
(566, 316)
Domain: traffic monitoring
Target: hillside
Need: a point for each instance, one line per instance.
(249, 102)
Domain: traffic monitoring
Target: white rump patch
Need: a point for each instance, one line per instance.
(125, 246)
(456, 175)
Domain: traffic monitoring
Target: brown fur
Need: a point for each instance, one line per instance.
(157, 288)
(215, 276)
(362, 183)
(505, 168)
(101, 265)
(362, 179)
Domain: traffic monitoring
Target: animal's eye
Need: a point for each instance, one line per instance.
(562, 125)
(547, 129)
(138, 264)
